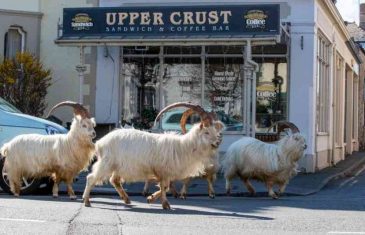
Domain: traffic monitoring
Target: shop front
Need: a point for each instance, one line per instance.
(229, 59)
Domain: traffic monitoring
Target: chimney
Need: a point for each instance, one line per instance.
(362, 16)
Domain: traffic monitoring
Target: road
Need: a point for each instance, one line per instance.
(337, 209)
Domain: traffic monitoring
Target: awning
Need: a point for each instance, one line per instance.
(166, 40)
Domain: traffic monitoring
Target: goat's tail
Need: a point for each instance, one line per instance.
(4, 150)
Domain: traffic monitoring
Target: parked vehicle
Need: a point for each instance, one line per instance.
(171, 121)
(12, 123)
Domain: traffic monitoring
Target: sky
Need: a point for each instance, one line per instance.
(349, 9)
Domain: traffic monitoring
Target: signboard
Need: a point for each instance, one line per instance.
(167, 21)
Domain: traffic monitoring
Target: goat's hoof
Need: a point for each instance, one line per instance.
(16, 195)
(144, 193)
(166, 205)
(228, 193)
(183, 196)
(127, 201)
(274, 196)
(175, 195)
(73, 197)
(55, 195)
(87, 203)
(150, 199)
(212, 195)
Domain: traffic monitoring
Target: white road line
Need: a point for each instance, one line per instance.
(340, 232)
(23, 220)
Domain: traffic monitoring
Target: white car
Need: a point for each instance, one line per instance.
(171, 121)
(13, 123)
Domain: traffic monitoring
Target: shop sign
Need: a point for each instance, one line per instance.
(265, 91)
(220, 20)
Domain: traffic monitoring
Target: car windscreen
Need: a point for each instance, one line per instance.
(6, 106)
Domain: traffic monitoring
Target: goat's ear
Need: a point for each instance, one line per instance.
(201, 125)
(218, 125)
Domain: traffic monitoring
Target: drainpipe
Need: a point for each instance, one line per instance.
(81, 68)
(250, 68)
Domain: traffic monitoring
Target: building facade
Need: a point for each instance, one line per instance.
(305, 72)
(19, 28)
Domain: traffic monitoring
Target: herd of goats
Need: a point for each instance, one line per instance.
(131, 155)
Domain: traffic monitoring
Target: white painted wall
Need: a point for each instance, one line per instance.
(61, 60)
(20, 5)
(107, 83)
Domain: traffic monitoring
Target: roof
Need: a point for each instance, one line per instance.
(357, 33)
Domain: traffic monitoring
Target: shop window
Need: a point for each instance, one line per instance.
(277, 49)
(182, 81)
(323, 86)
(140, 91)
(223, 90)
(182, 50)
(222, 50)
(141, 50)
(271, 92)
(14, 42)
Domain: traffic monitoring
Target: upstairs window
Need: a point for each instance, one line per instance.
(14, 41)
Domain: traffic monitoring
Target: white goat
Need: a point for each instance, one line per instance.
(211, 167)
(249, 158)
(129, 155)
(60, 156)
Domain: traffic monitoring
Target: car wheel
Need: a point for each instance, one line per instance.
(28, 185)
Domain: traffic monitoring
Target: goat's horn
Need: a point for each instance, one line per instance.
(285, 124)
(184, 118)
(205, 117)
(78, 108)
(190, 112)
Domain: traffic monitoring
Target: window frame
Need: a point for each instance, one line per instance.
(22, 34)
(323, 76)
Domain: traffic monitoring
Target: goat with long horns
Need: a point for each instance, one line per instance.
(211, 167)
(130, 155)
(60, 156)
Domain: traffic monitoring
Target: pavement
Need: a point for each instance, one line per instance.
(301, 185)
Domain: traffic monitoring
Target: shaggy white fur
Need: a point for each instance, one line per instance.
(211, 167)
(249, 158)
(131, 155)
(61, 156)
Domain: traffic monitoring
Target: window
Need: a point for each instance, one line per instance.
(14, 41)
(223, 89)
(271, 92)
(323, 83)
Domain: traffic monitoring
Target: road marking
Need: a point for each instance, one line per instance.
(23, 220)
(339, 232)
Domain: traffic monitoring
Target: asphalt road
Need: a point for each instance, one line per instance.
(338, 209)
